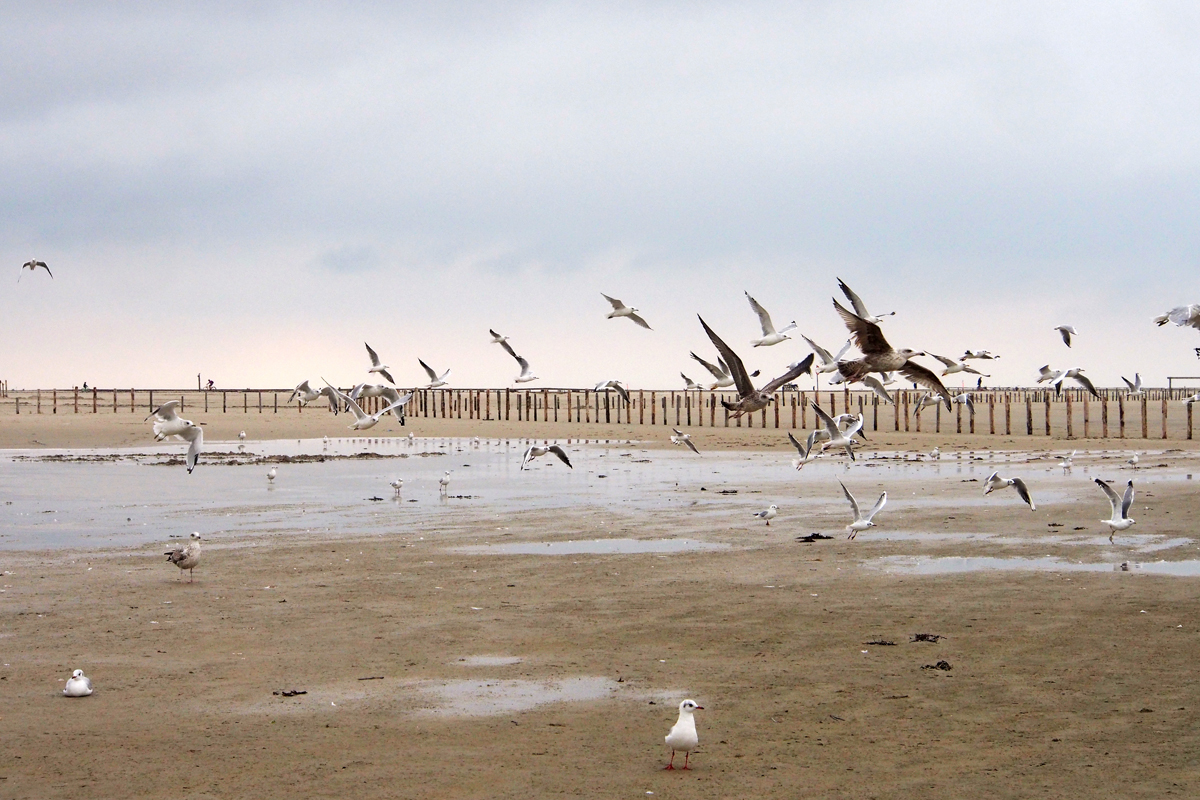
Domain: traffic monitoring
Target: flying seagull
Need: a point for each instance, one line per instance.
(537, 451)
(769, 335)
(684, 438)
(683, 734)
(953, 366)
(497, 338)
(879, 356)
(388, 393)
(978, 354)
(995, 482)
(32, 267)
(168, 423)
(861, 521)
(1067, 331)
(964, 399)
(691, 384)
(1077, 375)
(382, 369)
(622, 310)
(838, 437)
(860, 308)
(828, 360)
(721, 373)
(1120, 520)
(806, 453)
(1135, 386)
(876, 386)
(78, 685)
(1047, 374)
(526, 373)
(363, 420)
(186, 557)
(749, 399)
(435, 380)
(615, 385)
(1183, 316)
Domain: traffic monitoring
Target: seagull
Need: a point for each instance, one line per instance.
(837, 437)
(382, 369)
(806, 453)
(828, 361)
(389, 393)
(32, 267)
(1047, 374)
(497, 338)
(242, 436)
(444, 482)
(397, 484)
(683, 734)
(78, 685)
(928, 399)
(684, 438)
(721, 373)
(305, 393)
(861, 521)
(749, 400)
(1081, 379)
(995, 482)
(690, 384)
(876, 386)
(605, 385)
(1120, 509)
(860, 307)
(271, 473)
(622, 310)
(537, 451)
(1133, 462)
(1065, 462)
(1135, 386)
(435, 380)
(953, 366)
(363, 420)
(769, 514)
(526, 373)
(1067, 331)
(879, 356)
(935, 454)
(1187, 401)
(1183, 316)
(186, 557)
(964, 399)
(168, 423)
(770, 335)
(978, 354)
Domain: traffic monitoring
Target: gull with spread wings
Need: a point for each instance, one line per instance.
(749, 399)
(860, 308)
(718, 370)
(377, 366)
(526, 373)
(770, 335)
(879, 356)
(622, 310)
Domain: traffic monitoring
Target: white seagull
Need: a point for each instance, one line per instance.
(1135, 386)
(1120, 520)
(363, 420)
(271, 473)
(1187, 401)
(806, 453)
(537, 451)
(444, 482)
(1133, 462)
(616, 386)
(622, 310)
(304, 393)
(769, 335)
(186, 557)
(497, 338)
(435, 380)
(1066, 461)
(861, 521)
(1047, 374)
(1183, 316)
(679, 437)
(683, 734)
(1077, 375)
(995, 482)
(690, 384)
(526, 373)
(32, 266)
(978, 354)
(376, 366)
(828, 360)
(838, 437)
(78, 685)
(397, 484)
(168, 423)
(860, 308)
(964, 399)
(388, 393)
(721, 373)
(1067, 331)
(953, 366)
(768, 514)
(876, 386)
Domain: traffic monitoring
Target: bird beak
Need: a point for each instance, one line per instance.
(699, 708)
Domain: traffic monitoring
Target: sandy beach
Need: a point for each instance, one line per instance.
(432, 671)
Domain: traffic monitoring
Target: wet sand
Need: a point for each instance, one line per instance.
(1060, 684)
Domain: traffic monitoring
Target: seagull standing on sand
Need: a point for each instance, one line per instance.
(435, 380)
(526, 373)
(861, 521)
(444, 482)
(186, 557)
(622, 310)
(749, 399)
(769, 335)
(78, 685)
(995, 482)
(32, 266)
(860, 308)
(242, 436)
(397, 484)
(680, 437)
(1066, 461)
(768, 514)
(537, 451)
(1067, 331)
(1120, 520)
(168, 423)
(1133, 462)
(683, 734)
(376, 366)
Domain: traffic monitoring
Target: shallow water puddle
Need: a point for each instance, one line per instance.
(592, 547)
(947, 565)
(487, 698)
(488, 661)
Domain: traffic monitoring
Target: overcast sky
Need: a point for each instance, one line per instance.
(252, 194)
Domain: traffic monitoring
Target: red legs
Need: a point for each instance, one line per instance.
(671, 763)
(686, 756)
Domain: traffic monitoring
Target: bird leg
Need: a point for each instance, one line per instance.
(686, 756)
(671, 763)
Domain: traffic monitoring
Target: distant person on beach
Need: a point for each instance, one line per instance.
(210, 385)
(85, 386)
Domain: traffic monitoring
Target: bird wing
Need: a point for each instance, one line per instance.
(860, 307)
(866, 335)
(1128, 383)
(640, 321)
(1066, 336)
(387, 376)
(522, 363)
(830, 425)
(737, 370)
(875, 509)
(337, 397)
(495, 335)
(1113, 498)
(195, 435)
(918, 374)
(562, 454)
(764, 319)
(395, 405)
(949, 362)
(621, 391)
(165, 412)
(1127, 501)
(371, 353)
(853, 502)
(334, 398)
(799, 447)
(1023, 493)
(803, 367)
(877, 387)
(1087, 384)
(428, 370)
(616, 304)
(691, 445)
(825, 356)
(716, 371)
(525, 458)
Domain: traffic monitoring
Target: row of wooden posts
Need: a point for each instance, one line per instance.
(1073, 412)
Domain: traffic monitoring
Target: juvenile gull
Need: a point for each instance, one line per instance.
(537, 451)
(168, 423)
(680, 437)
(749, 399)
(32, 266)
(721, 373)
(769, 335)
(526, 373)
(995, 482)
(622, 310)
(186, 557)
(860, 308)
(861, 521)
(1120, 520)
(683, 734)
(435, 380)
(376, 366)
(78, 685)
(1067, 331)
(768, 514)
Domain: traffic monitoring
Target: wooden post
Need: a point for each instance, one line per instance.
(114, 401)
(992, 413)
(958, 417)
(1104, 416)
(1189, 420)
(260, 403)
(1008, 414)
(1121, 414)
(95, 400)
(874, 414)
(904, 393)
(54, 401)
(1087, 417)
(1070, 427)
(896, 415)
(916, 415)
(1028, 414)
(793, 402)
(76, 399)
(275, 402)
(1145, 420)
(1164, 415)
(1047, 413)
(712, 411)
(937, 417)
(245, 401)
